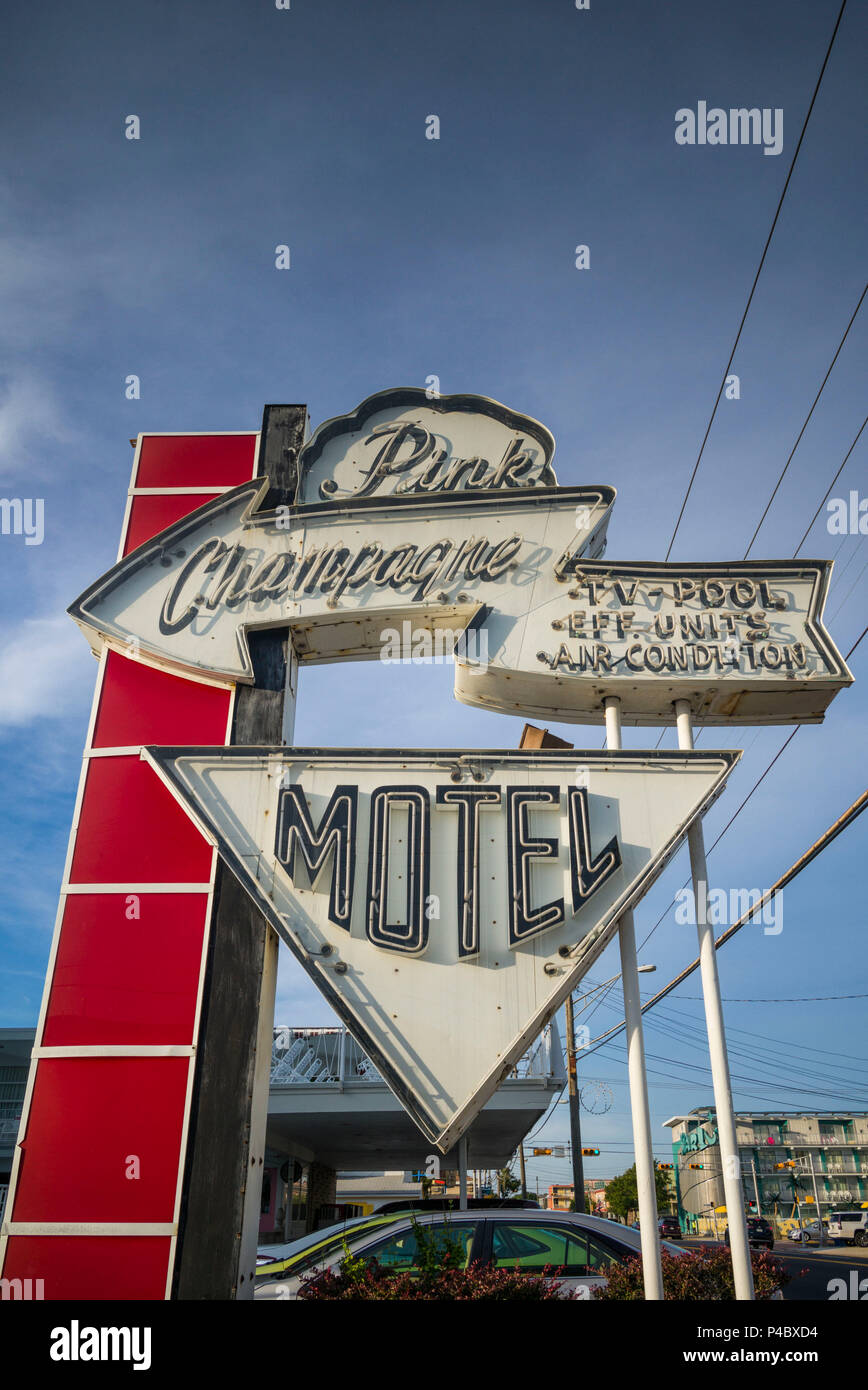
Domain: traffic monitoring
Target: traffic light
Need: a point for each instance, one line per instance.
(664, 1165)
(696, 1165)
(538, 1152)
(590, 1153)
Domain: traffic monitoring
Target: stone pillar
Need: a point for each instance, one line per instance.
(322, 1185)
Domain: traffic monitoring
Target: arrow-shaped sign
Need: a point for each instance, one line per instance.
(444, 902)
(362, 579)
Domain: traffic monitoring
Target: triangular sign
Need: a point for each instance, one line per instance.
(444, 901)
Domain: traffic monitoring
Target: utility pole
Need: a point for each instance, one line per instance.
(522, 1170)
(575, 1117)
(755, 1187)
(816, 1199)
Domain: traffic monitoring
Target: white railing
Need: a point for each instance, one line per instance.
(797, 1139)
(321, 1056)
(331, 1057)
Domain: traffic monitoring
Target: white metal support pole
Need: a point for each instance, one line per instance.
(649, 1231)
(462, 1173)
(729, 1156)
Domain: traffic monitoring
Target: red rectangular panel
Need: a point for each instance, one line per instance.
(141, 704)
(127, 969)
(91, 1267)
(132, 830)
(90, 1117)
(196, 460)
(150, 515)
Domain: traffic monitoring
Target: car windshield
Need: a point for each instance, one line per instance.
(310, 1249)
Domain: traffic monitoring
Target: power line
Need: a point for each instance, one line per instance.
(783, 1042)
(803, 999)
(795, 1059)
(805, 425)
(755, 280)
(788, 740)
(817, 848)
(849, 591)
(777, 1078)
(831, 485)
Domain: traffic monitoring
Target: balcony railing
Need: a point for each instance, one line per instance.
(797, 1139)
(9, 1129)
(769, 1170)
(332, 1057)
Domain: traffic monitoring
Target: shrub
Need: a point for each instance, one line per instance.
(477, 1282)
(439, 1275)
(696, 1274)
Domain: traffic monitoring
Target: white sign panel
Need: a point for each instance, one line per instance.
(443, 901)
(403, 443)
(743, 642)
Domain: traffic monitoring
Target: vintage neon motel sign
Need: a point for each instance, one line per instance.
(444, 517)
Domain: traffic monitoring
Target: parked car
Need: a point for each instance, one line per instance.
(759, 1233)
(808, 1231)
(274, 1261)
(669, 1227)
(849, 1227)
(576, 1248)
(450, 1204)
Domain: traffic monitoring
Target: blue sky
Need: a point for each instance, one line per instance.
(453, 257)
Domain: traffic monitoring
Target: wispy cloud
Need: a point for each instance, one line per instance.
(30, 419)
(45, 667)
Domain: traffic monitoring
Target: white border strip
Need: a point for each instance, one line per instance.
(89, 1228)
(126, 888)
(117, 1050)
(181, 491)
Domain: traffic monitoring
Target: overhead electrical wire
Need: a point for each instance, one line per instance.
(788, 740)
(783, 471)
(795, 869)
(831, 485)
(755, 280)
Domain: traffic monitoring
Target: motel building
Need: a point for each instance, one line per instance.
(338, 1143)
(790, 1162)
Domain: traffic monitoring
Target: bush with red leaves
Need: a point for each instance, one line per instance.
(696, 1275)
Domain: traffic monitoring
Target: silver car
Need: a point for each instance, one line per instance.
(576, 1249)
